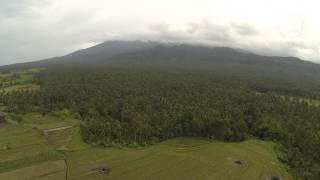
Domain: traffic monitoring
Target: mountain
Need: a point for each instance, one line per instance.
(106, 50)
(155, 53)
(95, 54)
(179, 54)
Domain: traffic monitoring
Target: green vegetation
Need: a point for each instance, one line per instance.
(42, 122)
(138, 106)
(19, 80)
(60, 137)
(52, 170)
(24, 87)
(76, 143)
(182, 158)
(21, 146)
(308, 101)
(187, 158)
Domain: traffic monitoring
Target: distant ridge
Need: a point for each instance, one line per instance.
(155, 53)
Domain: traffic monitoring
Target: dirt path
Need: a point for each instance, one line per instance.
(56, 129)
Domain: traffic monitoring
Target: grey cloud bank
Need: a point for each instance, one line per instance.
(37, 29)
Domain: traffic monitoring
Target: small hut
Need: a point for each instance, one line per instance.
(101, 169)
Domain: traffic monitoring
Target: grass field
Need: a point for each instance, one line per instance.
(37, 120)
(59, 138)
(23, 80)
(53, 170)
(21, 147)
(182, 158)
(26, 153)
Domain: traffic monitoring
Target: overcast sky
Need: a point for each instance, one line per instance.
(37, 29)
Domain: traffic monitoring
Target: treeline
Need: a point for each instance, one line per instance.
(136, 105)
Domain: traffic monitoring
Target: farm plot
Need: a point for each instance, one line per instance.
(21, 147)
(53, 170)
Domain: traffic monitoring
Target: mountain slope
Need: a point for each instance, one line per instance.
(153, 53)
(215, 56)
(94, 54)
(105, 50)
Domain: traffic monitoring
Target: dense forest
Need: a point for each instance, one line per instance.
(139, 105)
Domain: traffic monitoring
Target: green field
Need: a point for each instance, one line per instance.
(182, 158)
(37, 120)
(53, 170)
(22, 146)
(27, 152)
(20, 80)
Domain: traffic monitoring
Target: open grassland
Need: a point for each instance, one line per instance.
(27, 153)
(53, 170)
(56, 128)
(182, 158)
(21, 147)
(43, 122)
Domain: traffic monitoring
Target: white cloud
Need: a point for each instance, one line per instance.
(35, 29)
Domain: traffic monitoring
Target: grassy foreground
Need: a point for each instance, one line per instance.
(26, 152)
(45, 171)
(182, 158)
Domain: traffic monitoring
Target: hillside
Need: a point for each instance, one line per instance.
(96, 54)
(155, 53)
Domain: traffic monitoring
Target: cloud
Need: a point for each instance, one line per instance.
(19, 8)
(214, 32)
(229, 34)
(160, 28)
(37, 29)
(244, 29)
(11, 8)
(189, 32)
